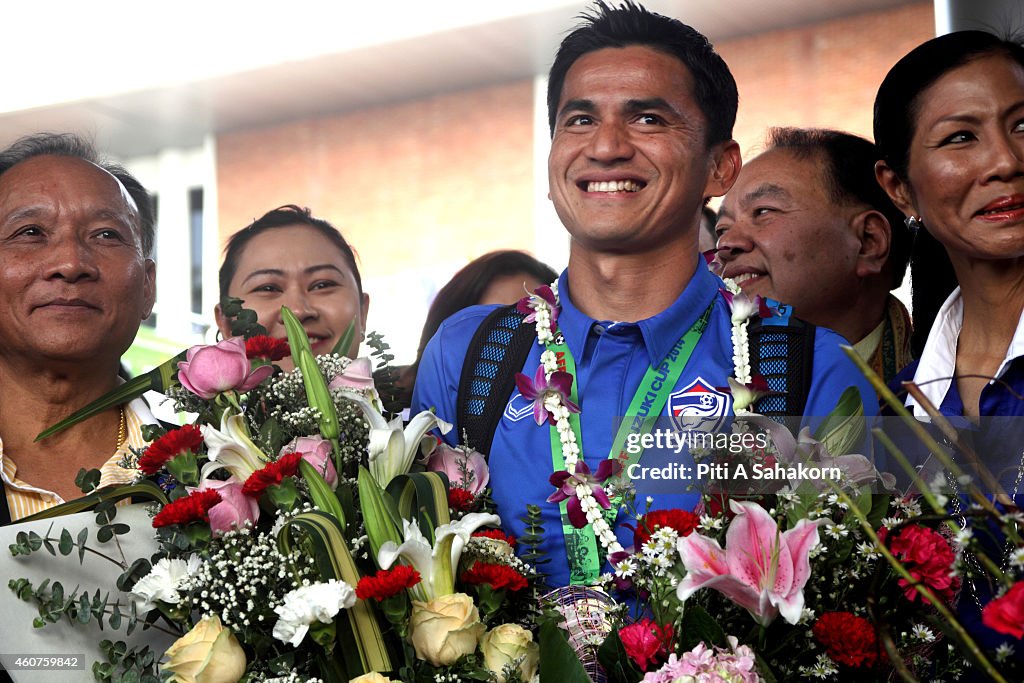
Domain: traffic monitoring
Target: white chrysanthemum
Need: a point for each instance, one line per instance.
(922, 633)
(308, 604)
(163, 582)
(1017, 558)
(1004, 652)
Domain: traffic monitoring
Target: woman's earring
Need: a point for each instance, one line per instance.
(913, 224)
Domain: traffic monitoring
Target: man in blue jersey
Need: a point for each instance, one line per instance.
(641, 111)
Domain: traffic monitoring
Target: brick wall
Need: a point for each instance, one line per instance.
(435, 179)
(422, 187)
(824, 75)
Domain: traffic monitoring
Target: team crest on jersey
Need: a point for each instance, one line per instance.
(703, 407)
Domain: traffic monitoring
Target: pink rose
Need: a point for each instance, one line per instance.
(1006, 613)
(211, 370)
(235, 509)
(357, 375)
(315, 450)
(466, 469)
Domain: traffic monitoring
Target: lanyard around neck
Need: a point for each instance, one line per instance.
(648, 401)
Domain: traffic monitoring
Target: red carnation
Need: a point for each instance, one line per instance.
(1006, 613)
(460, 500)
(646, 643)
(170, 445)
(683, 521)
(387, 583)
(271, 474)
(849, 640)
(267, 348)
(194, 507)
(497, 576)
(498, 535)
(927, 557)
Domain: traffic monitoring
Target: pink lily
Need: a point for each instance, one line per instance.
(540, 389)
(760, 569)
(743, 307)
(567, 484)
(542, 297)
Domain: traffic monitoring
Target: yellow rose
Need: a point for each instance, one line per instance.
(445, 628)
(372, 677)
(209, 653)
(510, 643)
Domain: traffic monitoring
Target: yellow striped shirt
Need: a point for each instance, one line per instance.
(24, 499)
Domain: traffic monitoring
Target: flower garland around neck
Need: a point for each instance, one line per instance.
(550, 387)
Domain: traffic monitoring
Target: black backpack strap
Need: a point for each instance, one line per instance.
(782, 351)
(496, 353)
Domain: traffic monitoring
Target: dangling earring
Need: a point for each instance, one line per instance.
(913, 224)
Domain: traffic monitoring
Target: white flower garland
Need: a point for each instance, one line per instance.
(553, 403)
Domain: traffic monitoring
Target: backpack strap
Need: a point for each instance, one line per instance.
(496, 353)
(782, 351)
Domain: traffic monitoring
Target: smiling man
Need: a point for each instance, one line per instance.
(641, 111)
(806, 223)
(75, 283)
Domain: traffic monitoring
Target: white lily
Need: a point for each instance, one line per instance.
(231, 448)
(437, 565)
(392, 449)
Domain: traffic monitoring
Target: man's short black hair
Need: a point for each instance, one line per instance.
(714, 87)
(77, 147)
(849, 165)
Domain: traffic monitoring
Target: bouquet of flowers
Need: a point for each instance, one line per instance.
(785, 585)
(302, 536)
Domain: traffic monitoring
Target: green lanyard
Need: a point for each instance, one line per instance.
(581, 544)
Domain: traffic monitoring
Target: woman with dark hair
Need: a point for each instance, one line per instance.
(949, 123)
(289, 258)
(498, 277)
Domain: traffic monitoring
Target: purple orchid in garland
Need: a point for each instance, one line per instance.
(542, 298)
(540, 389)
(566, 485)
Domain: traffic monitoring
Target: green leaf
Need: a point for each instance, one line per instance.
(380, 516)
(842, 431)
(699, 627)
(333, 560)
(105, 533)
(616, 662)
(115, 617)
(558, 662)
(83, 609)
(321, 493)
(66, 544)
(345, 342)
(87, 480)
(422, 494)
(144, 490)
(83, 536)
